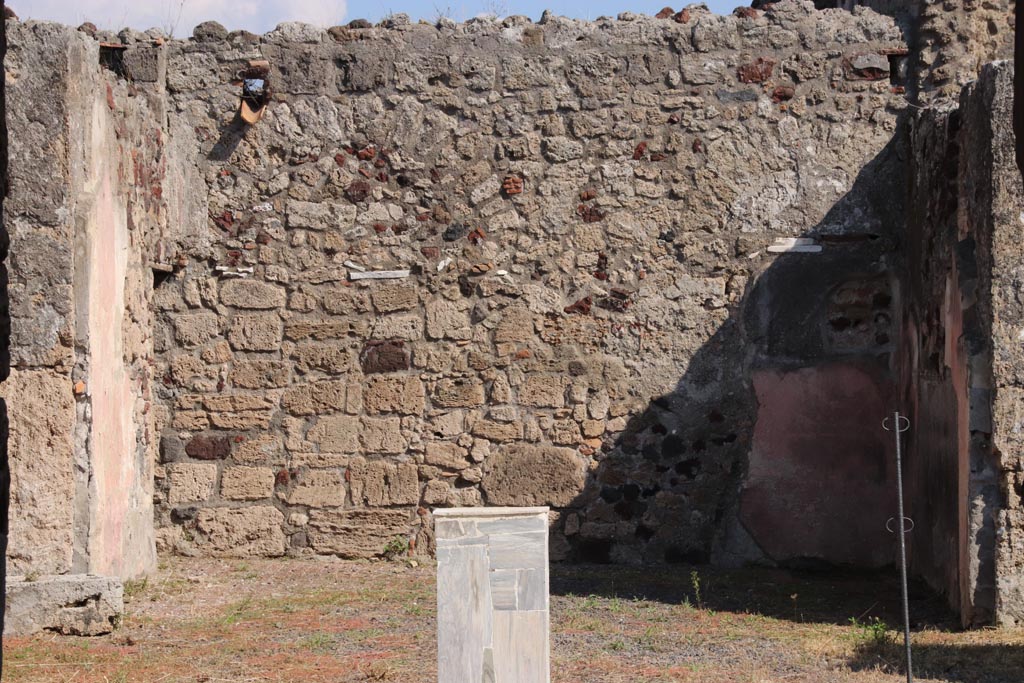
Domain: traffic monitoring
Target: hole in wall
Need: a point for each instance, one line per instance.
(160, 276)
(112, 58)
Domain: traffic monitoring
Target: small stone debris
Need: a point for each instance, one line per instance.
(455, 231)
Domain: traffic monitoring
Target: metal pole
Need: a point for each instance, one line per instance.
(903, 545)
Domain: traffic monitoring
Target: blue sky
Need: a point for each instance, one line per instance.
(260, 16)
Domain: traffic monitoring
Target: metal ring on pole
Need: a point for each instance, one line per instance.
(906, 529)
(904, 424)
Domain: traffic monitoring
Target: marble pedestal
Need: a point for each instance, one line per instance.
(492, 595)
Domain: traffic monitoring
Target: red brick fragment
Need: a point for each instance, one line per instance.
(758, 71)
(380, 227)
(602, 265)
(682, 17)
(657, 156)
(746, 12)
(367, 153)
(339, 159)
(208, 447)
(512, 185)
(110, 97)
(589, 214)
(665, 13)
(431, 252)
(587, 195)
(366, 174)
(581, 306)
(225, 220)
(783, 93)
(639, 150)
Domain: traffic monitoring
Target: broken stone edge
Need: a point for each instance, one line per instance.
(78, 604)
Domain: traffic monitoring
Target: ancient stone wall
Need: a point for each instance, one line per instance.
(960, 365)
(81, 410)
(994, 195)
(950, 40)
(515, 263)
(582, 208)
(954, 39)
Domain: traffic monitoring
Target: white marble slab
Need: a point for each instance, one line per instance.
(466, 618)
(492, 595)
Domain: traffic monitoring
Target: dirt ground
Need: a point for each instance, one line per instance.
(201, 621)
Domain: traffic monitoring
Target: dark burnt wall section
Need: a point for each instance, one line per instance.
(960, 372)
(821, 335)
(939, 286)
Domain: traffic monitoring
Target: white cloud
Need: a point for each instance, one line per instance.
(258, 16)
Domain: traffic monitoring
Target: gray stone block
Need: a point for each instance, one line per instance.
(146, 64)
(77, 604)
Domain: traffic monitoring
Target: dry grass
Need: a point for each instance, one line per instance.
(318, 621)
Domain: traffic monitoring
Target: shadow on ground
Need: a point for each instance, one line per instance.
(976, 663)
(834, 597)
